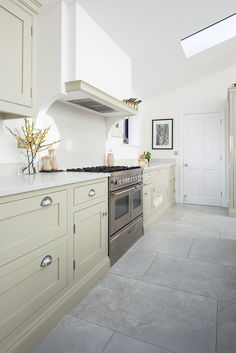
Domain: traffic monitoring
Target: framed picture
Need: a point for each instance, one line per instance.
(117, 130)
(162, 134)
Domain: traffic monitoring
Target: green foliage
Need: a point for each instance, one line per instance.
(148, 155)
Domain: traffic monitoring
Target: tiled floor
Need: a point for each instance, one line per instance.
(173, 291)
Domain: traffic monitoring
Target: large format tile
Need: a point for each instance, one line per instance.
(72, 335)
(123, 344)
(226, 337)
(164, 243)
(174, 320)
(191, 231)
(134, 263)
(212, 280)
(216, 251)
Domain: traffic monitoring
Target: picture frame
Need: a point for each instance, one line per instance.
(162, 134)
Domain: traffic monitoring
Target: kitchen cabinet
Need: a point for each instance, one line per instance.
(158, 192)
(90, 239)
(232, 139)
(54, 248)
(18, 26)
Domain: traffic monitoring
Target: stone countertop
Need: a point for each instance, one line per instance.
(16, 184)
(158, 165)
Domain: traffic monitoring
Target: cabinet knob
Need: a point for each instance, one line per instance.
(92, 192)
(46, 261)
(47, 201)
(104, 214)
(185, 164)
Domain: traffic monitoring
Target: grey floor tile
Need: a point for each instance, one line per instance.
(123, 344)
(134, 263)
(216, 251)
(228, 234)
(191, 231)
(164, 243)
(72, 335)
(212, 280)
(226, 337)
(177, 321)
(216, 210)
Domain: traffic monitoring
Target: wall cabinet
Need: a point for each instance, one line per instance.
(158, 192)
(54, 248)
(17, 59)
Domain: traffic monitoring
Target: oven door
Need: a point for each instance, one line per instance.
(120, 209)
(137, 202)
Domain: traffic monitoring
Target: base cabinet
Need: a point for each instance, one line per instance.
(52, 255)
(158, 192)
(90, 239)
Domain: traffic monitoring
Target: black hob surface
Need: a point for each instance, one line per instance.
(102, 169)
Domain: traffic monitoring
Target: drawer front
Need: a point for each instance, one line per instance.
(85, 193)
(26, 225)
(25, 286)
(148, 177)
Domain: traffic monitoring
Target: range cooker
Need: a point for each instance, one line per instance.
(125, 204)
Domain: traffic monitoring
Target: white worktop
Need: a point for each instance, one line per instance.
(16, 184)
(158, 165)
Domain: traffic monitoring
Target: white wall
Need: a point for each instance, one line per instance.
(82, 134)
(202, 96)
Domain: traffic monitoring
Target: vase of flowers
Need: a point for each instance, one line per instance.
(33, 141)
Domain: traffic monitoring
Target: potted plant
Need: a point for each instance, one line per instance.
(148, 157)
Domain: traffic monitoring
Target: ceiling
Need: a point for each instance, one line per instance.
(150, 31)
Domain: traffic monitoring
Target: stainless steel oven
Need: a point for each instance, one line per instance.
(125, 205)
(125, 211)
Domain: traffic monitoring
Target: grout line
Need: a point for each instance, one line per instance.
(216, 342)
(190, 248)
(165, 286)
(108, 342)
(156, 256)
(122, 333)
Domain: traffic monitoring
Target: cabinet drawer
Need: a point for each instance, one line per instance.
(148, 177)
(89, 192)
(25, 286)
(26, 225)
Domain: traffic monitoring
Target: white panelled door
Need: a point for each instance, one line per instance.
(202, 148)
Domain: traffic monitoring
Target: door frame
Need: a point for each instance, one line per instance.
(224, 202)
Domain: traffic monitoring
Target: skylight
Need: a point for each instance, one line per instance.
(210, 36)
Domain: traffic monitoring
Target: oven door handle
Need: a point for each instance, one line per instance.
(123, 192)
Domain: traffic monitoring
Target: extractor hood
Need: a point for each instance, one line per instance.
(85, 96)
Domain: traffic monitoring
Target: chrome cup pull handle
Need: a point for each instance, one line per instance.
(92, 192)
(47, 201)
(46, 261)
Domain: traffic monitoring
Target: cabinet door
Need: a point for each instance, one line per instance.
(26, 285)
(90, 239)
(16, 54)
(147, 201)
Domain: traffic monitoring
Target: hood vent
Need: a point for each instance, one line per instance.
(85, 96)
(93, 105)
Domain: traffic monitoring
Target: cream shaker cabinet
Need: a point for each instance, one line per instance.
(17, 59)
(54, 248)
(90, 239)
(232, 140)
(158, 192)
